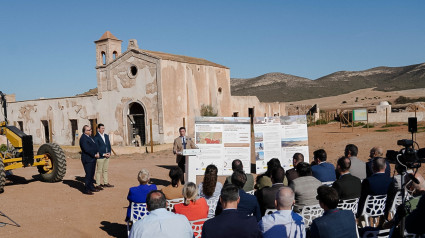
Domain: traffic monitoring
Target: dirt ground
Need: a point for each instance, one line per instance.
(61, 210)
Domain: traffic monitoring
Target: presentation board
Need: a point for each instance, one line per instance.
(360, 115)
(279, 137)
(221, 140)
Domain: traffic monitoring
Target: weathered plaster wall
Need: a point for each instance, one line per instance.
(118, 88)
(58, 111)
(241, 104)
(185, 88)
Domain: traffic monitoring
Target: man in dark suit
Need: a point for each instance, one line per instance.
(347, 185)
(89, 154)
(248, 204)
(102, 163)
(376, 152)
(180, 143)
(334, 222)
(323, 171)
(266, 197)
(237, 165)
(377, 184)
(292, 174)
(231, 222)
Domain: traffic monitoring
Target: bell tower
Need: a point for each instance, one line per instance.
(108, 48)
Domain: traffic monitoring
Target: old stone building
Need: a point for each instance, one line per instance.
(133, 87)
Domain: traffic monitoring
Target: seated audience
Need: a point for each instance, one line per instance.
(266, 197)
(174, 190)
(210, 188)
(237, 165)
(138, 194)
(358, 167)
(347, 185)
(397, 178)
(417, 190)
(374, 153)
(304, 187)
(193, 208)
(323, 171)
(377, 184)
(248, 204)
(264, 180)
(292, 174)
(160, 222)
(284, 222)
(334, 222)
(231, 222)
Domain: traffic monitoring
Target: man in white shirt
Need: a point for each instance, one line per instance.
(284, 222)
(160, 222)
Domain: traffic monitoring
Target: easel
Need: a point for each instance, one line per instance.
(3, 223)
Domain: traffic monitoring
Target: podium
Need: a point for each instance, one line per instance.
(190, 169)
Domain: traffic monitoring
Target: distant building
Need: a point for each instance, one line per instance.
(132, 88)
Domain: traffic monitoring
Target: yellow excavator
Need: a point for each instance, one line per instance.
(19, 152)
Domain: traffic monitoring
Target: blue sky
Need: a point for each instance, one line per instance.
(48, 50)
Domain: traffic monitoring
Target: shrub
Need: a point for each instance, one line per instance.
(3, 148)
(389, 125)
(382, 130)
(208, 111)
(370, 125)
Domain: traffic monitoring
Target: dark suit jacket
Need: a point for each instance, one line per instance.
(414, 221)
(291, 174)
(103, 147)
(325, 172)
(249, 185)
(267, 196)
(333, 224)
(231, 223)
(247, 205)
(348, 187)
(377, 184)
(369, 171)
(88, 149)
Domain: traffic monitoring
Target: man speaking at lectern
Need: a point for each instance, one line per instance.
(180, 143)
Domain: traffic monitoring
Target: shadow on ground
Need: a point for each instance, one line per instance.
(16, 180)
(167, 166)
(114, 229)
(160, 182)
(78, 183)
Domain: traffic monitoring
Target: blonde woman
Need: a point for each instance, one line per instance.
(193, 208)
(138, 194)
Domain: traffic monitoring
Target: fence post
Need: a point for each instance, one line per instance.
(367, 120)
(340, 120)
(150, 131)
(386, 116)
(352, 122)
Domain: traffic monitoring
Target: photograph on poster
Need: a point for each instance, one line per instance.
(292, 120)
(208, 137)
(259, 146)
(294, 142)
(258, 136)
(259, 155)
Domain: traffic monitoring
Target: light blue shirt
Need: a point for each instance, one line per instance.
(161, 223)
(282, 222)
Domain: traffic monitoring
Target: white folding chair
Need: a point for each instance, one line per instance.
(172, 202)
(374, 207)
(251, 192)
(212, 204)
(309, 213)
(397, 201)
(197, 227)
(349, 204)
(270, 211)
(137, 212)
(329, 183)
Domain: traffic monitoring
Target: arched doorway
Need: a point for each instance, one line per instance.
(136, 124)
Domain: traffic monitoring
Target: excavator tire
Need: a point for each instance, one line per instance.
(58, 159)
(2, 176)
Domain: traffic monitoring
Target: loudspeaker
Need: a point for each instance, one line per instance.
(413, 124)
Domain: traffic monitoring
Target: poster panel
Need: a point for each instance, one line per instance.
(279, 137)
(222, 140)
(360, 115)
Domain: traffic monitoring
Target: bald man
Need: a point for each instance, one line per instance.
(417, 190)
(284, 220)
(376, 152)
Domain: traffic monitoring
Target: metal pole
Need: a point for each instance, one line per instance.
(184, 122)
(367, 120)
(352, 122)
(151, 136)
(340, 120)
(386, 116)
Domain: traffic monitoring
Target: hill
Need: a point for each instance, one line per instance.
(273, 87)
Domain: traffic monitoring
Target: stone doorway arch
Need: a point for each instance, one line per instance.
(136, 124)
